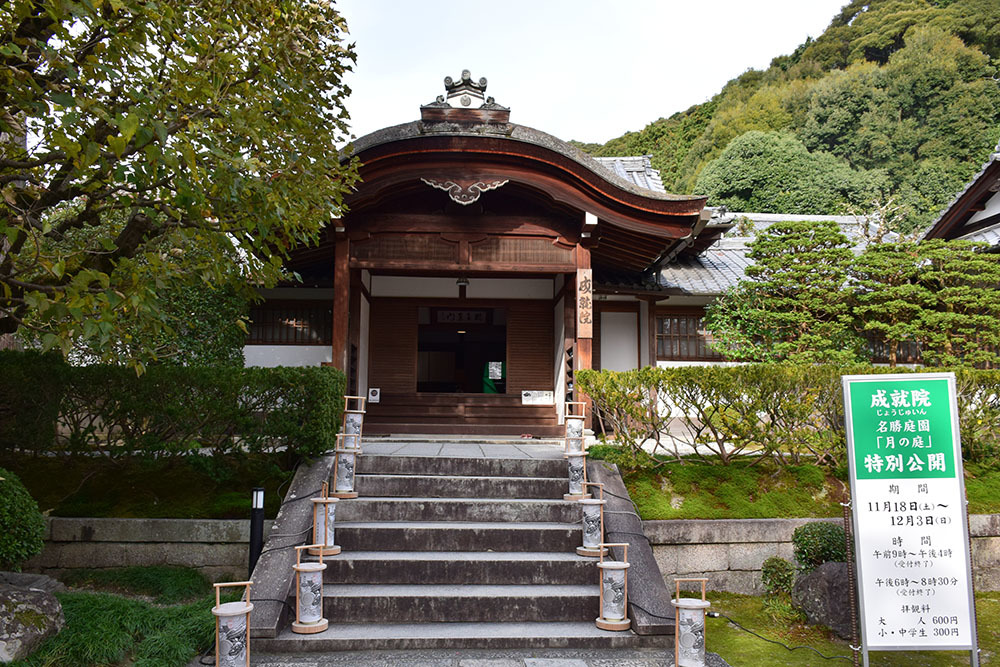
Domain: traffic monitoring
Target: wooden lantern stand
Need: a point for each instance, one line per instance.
(232, 625)
(607, 568)
(323, 532)
(593, 549)
(309, 621)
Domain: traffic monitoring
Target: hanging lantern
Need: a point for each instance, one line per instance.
(354, 421)
(593, 524)
(324, 516)
(689, 627)
(309, 594)
(232, 622)
(614, 590)
(343, 469)
(577, 464)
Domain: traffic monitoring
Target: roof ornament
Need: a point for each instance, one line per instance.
(465, 93)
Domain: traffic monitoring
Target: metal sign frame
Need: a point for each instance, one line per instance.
(849, 382)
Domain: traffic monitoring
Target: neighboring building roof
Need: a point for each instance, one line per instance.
(724, 263)
(635, 168)
(974, 213)
(711, 273)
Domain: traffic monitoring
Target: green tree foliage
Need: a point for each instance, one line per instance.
(903, 87)
(890, 301)
(792, 306)
(963, 325)
(152, 128)
(773, 172)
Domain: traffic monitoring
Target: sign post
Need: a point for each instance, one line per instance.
(909, 516)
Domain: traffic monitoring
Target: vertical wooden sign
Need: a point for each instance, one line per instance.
(584, 303)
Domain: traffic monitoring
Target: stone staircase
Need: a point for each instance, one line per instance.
(450, 552)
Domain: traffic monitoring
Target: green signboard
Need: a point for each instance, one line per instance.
(902, 429)
(908, 504)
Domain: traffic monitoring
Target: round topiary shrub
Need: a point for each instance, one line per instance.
(817, 543)
(777, 575)
(21, 524)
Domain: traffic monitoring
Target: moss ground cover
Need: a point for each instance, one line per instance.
(763, 490)
(111, 629)
(192, 487)
(741, 648)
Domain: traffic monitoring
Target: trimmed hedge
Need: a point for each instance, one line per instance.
(21, 524)
(169, 410)
(783, 411)
(816, 543)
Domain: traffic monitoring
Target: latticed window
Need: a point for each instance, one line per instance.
(681, 336)
(291, 323)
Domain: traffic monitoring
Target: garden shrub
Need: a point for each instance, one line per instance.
(791, 413)
(777, 575)
(21, 524)
(31, 387)
(819, 542)
(176, 410)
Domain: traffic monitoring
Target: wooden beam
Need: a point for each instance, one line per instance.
(341, 302)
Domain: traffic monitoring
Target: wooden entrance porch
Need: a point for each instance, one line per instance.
(454, 414)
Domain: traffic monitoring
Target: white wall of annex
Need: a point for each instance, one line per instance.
(286, 355)
(619, 341)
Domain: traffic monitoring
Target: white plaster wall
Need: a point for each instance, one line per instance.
(643, 333)
(501, 288)
(414, 286)
(619, 341)
(992, 208)
(560, 361)
(363, 347)
(286, 355)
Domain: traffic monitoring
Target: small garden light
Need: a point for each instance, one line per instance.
(593, 523)
(232, 621)
(614, 590)
(309, 593)
(344, 467)
(324, 516)
(689, 629)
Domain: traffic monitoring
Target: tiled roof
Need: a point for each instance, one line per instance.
(713, 272)
(989, 235)
(724, 263)
(636, 169)
(994, 157)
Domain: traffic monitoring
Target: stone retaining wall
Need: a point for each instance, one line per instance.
(730, 552)
(219, 549)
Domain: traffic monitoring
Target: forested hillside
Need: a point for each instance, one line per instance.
(897, 102)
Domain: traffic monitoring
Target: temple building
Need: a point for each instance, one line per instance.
(479, 264)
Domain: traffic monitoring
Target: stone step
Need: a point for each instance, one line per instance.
(457, 509)
(430, 486)
(374, 427)
(422, 603)
(412, 636)
(467, 467)
(457, 536)
(450, 567)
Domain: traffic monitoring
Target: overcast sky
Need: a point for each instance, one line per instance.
(578, 69)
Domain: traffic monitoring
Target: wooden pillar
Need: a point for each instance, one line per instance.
(341, 302)
(585, 343)
(651, 328)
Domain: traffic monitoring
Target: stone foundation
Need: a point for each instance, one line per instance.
(730, 552)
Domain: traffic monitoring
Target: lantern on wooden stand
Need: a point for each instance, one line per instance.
(614, 590)
(309, 593)
(354, 421)
(577, 476)
(232, 623)
(344, 466)
(689, 628)
(574, 426)
(593, 523)
(324, 517)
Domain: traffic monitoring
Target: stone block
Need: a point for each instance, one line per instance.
(666, 558)
(985, 552)
(984, 525)
(27, 618)
(751, 555)
(701, 557)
